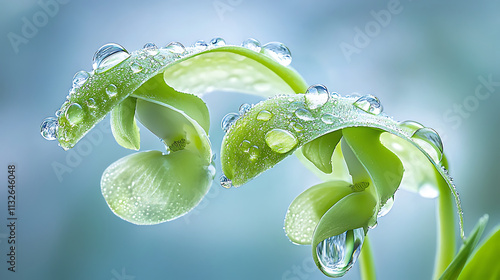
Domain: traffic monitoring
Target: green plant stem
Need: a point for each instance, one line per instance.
(446, 230)
(366, 264)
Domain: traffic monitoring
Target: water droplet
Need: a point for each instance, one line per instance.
(245, 146)
(48, 128)
(176, 47)
(58, 113)
(373, 226)
(228, 120)
(74, 113)
(80, 78)
(328, 118)
(200, 45)
(254, 153)
(369, 104)
(264, 115)
(316, 96)
(304, 114)
(91, 102)
(136, 67)
(111, 90)
(217, 42)
(334, 94)
(150, 48)
(280, 141)
(244, 108)
(337, 254)
(386, 207)
(279, 52)
(428, 191)
(108, 56)
(225, 182)
(412, 125)
(428, 139)
(251, 44)
(298, 127)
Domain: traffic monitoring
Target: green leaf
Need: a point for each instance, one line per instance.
(483, 264)
(455, 267)
(124, 126)
(306, 210)
(320, 150)
(150, 187)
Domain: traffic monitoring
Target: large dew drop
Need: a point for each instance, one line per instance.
(279, 52)
(200, 45)
(75, 113)
(176, 48)
(280, 141)
(225, 182)
(228, 120)
(337, 254)
(150, 48)
(217, 42)
(428, 139)
(111, 90)
(48, 128)
(316, 96)
(369, 104)
(244, 108)
(386, 207)
(264, 115)
(411, 125)
(80, 78)
(304, 114)
(251, 44)
(108, 56)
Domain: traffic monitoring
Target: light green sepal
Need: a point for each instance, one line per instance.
(123, 124)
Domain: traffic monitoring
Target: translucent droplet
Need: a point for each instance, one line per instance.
(316, 96)
(280, 141)
(412, 125)
(334, 94)
(74, 113)
(228, 120)
(91, 102)
(108, 56)
(136, 67)
(428, 139)
(373, 226)
(200, 45)
(176, 47)
(298, 127)
(48, 128)
(328, 118)
(111, 90)
(244, 108)
(251, 44)
(150, 48)
(337, 254)
(245, 146)
(80, 78)
(304, 114)
(386, 207)
(58, 113)
(217, 42)
(279, 52)
(264, 115)
(428, 191)
(225, 182)
(369, 104)
(254, 153)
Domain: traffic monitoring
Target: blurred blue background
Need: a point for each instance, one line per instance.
(424, 63)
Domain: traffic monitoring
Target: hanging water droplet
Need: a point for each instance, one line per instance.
(373, 226)
(228, 120)
(217, 42)
(304, 114)
(91, 102)
(254, 153)
(251, 44)
(412, 125)
(225, 182)
(280, 141)
(111, 90)
(200, 45)
(316, 96)
(369, 104)
(337, 254)
(245, 146)
(264, 115)
(150, 48)
(428, 139)
(108, 56)
(136, 67)
(298, 127)
(386, 207)
(176, 47)
(428, 191)
(244, 108)
(279, 52)
(80, 78)
(74, 113)
(48, 128)
(328, 118)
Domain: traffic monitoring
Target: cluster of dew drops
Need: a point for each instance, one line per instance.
(111, 54)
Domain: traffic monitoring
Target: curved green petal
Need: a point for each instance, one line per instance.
(320, 150)
(123, 124)
(150, 187)
(306, 210)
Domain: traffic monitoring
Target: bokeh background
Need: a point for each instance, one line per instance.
(424, 63)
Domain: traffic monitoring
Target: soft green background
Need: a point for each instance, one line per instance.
(422, 63)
